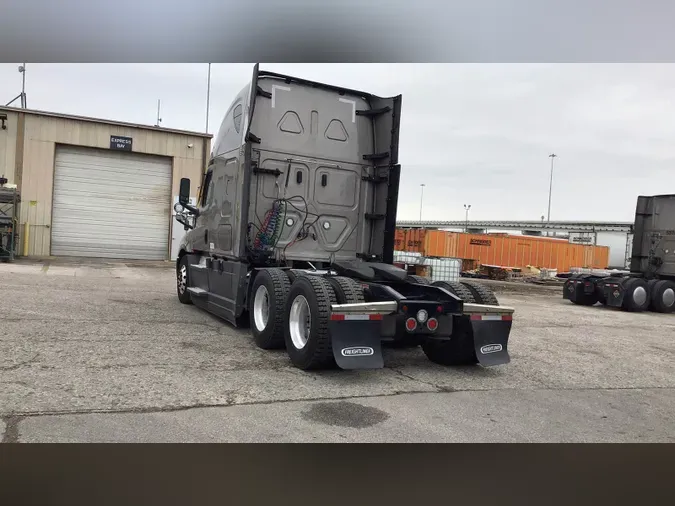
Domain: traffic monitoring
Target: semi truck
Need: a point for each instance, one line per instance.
(293, 235)
(649, 284)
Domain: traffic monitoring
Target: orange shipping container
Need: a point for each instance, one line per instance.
(414, 240)
(399, 240)
(506, 250)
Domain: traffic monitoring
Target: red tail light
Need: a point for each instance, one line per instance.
(410, 324)
(432, 324)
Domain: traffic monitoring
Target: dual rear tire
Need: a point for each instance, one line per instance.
(295, 314)
(657, 295)
(663, 296)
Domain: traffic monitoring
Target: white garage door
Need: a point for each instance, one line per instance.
(111, 204)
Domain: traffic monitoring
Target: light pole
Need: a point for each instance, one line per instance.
(208, 96)
(22, 69)
(552, 156)
(421, 199)
(466, 219)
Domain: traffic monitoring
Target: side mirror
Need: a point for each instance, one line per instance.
(184, 192)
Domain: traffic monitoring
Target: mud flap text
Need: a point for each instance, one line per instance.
(490, 339)
(356, 344)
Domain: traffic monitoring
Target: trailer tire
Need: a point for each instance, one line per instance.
(458, 350)
(347, 291)
(482, 294)
(183, 280)
(420, 280)
(309, 297)
(636, 296)
(266, 308)
(663, 296)
(457, 289)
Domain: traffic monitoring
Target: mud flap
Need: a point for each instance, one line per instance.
(490, 338)
(356, 343)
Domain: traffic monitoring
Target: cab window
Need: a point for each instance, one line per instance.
(207, 195)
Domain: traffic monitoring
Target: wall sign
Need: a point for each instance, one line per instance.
(120, 143)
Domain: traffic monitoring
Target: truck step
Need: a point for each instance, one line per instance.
(198, 292)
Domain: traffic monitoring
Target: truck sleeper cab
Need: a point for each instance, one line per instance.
(294, 233)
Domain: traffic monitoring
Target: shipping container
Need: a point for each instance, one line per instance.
(506, 250)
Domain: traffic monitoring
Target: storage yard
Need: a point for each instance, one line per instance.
(103, 351)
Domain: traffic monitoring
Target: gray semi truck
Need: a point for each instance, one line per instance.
(650, 282)
(293, 235)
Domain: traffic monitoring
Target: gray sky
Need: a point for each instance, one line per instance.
(478, 134)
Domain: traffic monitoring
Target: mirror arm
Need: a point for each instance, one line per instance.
(193, 210)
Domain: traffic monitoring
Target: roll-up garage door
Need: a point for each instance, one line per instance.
(111, 204)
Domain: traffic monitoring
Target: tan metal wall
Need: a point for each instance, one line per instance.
(8, 146)
(43, 133)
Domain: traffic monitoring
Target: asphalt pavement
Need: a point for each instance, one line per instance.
(103, 351)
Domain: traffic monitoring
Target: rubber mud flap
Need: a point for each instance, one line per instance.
(490, 339)
(569, 289)
(356, 343)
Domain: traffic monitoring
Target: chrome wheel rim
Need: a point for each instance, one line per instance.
(299, 322)
(668, 297)
(261, 308)
(182, 279)
(640, 296)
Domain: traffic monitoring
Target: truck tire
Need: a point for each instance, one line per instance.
(457, 289)
(294, 273)
(347, 291)
(663, 296)
(266, 308)
(636, 296)
(458, 350)
(482, 294)
(652, 295)
(183, 281)
(306, 332)
(420, 280)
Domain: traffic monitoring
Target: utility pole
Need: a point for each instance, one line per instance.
(466, 217)
(208, 96)
(552, 156)
(22, 95)
(421, 199)
(22, 69)
(159, 119)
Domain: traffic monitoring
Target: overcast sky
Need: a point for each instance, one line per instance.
(476, 134)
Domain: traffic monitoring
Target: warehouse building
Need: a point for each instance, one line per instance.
(97, 188)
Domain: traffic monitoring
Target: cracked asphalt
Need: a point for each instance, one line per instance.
(102, 351)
